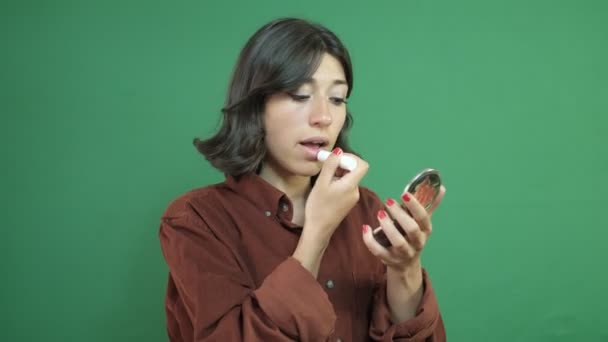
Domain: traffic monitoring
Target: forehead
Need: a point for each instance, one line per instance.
(330, 69)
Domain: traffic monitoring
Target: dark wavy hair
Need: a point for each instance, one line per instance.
(280, 56)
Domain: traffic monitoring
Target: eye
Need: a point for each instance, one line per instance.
(299, 98)
(337, 100)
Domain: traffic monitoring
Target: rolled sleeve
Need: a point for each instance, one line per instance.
(427, 325)
(309, 313)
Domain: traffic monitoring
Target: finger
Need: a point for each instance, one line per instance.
(437, 200)
(394, 236)
(356, 175)
(374, 247)
(418, 212)
(331, 164)
(415, 237)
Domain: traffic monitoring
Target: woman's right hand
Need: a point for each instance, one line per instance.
(334, 194)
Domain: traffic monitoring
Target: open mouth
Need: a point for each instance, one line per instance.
(314, 143)
(315, 146)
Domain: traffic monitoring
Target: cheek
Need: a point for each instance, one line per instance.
(277, 136)
(281, 114)
(276, 128)
(273, 139)
(278, 146)
(339, 121)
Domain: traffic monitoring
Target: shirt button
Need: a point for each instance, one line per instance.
(268, 213)
(285, 207)
(339, 340)
(329, 284)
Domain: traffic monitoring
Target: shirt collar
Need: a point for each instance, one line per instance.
(268, 199)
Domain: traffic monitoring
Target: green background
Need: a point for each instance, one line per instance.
(508, 99)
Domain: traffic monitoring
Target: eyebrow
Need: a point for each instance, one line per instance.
(335, 82)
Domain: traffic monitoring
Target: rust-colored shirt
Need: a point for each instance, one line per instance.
(228, 247)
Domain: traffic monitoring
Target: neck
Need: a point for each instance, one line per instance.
(294, 186)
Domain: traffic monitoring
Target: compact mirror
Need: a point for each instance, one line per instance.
(425, 187)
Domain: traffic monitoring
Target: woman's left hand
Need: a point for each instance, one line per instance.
(404, 251)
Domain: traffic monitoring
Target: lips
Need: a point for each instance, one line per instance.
(313, 145)
(317, 142)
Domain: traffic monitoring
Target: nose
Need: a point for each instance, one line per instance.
(321, 115)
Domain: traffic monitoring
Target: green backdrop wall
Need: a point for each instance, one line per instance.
(101, 100)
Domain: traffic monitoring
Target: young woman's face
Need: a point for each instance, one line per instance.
(300, 123)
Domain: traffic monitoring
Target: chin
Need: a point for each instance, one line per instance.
(309, 170)
(290, 168)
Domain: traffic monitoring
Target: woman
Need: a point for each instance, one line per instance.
(283, 249)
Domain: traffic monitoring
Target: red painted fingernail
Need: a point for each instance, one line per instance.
(364, 228)
(337, 151)
(390, 201)
(381, 214)
(406, 197)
